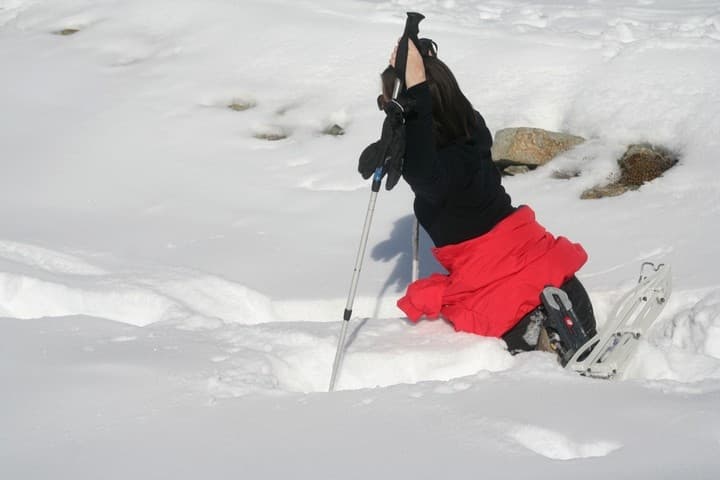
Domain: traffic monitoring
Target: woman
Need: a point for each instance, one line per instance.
(498, 257)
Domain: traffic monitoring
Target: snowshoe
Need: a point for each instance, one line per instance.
(607, 354)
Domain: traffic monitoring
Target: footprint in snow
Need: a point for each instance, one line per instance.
(317, 183)
(452, 387)
(237, 102)
(287, 108)
(557, 446)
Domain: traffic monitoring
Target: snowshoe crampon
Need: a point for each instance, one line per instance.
(607, 354)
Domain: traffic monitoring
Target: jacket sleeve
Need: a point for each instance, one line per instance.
(423, 169)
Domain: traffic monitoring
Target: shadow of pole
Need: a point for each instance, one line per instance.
(399, 246)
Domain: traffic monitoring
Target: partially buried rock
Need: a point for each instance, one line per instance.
(334, 130)
(240, 105)
(67, 31)
(644, 162)
(641, 163)
(565, 174)
(270, 136)
(271, 133)
(612, 190)
(531, 146)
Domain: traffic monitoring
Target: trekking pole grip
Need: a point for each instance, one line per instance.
(412, 25)
(412, 29)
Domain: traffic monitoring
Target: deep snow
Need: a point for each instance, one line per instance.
(171, 287)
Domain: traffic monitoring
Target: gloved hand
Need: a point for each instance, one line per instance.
(388, 152)
(394, 158)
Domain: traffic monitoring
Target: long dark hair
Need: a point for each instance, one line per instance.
(453, 115)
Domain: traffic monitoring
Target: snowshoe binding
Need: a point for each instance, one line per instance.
(607, 354)
(565, 334)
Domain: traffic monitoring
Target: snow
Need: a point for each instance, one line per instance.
(171, 286)
(556, 446)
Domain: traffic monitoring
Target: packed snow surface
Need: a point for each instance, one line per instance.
(178, 236)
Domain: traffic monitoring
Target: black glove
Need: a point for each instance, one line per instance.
(388, 152)
(394, 158)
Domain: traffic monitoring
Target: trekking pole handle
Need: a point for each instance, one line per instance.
(412, 29)
(412, 25)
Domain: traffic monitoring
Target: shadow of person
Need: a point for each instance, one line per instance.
(398, 247)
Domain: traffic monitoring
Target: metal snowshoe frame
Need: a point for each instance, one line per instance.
(607, 354)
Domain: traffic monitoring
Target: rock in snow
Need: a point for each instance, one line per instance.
(641, 163)
(531, 146)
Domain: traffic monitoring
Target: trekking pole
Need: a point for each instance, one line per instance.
(411, 31)
(377, 179)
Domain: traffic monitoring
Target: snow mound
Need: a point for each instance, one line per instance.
(298, 356)
(46, 259)
(184, 299)
(40, 282)
(555, 445)
(685, 347)
(697, 330)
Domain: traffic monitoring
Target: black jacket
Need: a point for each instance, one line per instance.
(458, 195)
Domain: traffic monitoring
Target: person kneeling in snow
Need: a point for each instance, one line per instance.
(498, 257)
